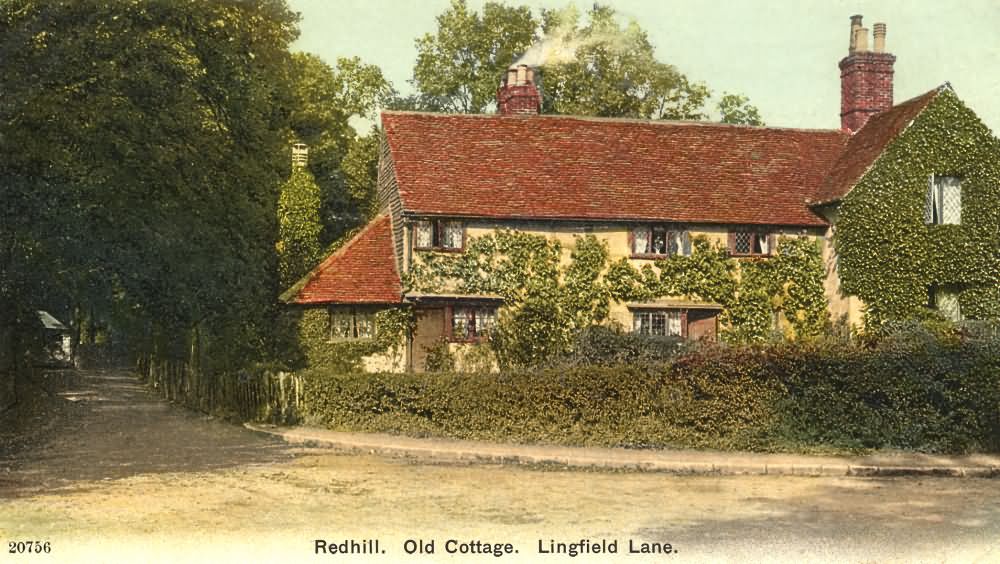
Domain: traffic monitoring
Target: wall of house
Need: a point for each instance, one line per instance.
(385, 353)
(844, 307)
(616, 235)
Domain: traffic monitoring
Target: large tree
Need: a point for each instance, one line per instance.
(593, 65)
(326, 100)
(141, 148)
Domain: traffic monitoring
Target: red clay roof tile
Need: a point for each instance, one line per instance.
(865, 146)
(363, 270)
(559, 167)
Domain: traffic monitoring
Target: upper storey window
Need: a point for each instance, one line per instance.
(659, 241)
(439, 234)
(943, 205)
(751, 243)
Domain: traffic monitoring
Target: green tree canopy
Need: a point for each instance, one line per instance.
(325, 101)
(142, 149)
(592, 65)
(737, 109)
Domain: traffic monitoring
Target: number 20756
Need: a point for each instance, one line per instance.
(29, 547)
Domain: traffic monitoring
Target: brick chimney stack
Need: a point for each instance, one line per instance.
(517, 93)
(865, 77)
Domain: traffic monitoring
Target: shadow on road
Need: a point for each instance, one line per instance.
(105, 425)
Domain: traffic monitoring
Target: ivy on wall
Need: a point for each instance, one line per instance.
(548, 303)
(888, 256)
(391, 326)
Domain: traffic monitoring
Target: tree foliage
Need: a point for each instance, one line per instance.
(325, 100)
(298, 227)
(737, 109)
(142, 151)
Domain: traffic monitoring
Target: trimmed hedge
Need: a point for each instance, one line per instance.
(915, 390)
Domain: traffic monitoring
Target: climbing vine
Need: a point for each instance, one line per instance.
(888, 256)
(547, 303)
(391, 326)
(299, 226)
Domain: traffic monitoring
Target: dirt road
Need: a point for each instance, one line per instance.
(121, 476)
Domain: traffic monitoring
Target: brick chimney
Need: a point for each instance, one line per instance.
(517, 93)
(865, 77)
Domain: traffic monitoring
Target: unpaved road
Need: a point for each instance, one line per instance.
(120, 476)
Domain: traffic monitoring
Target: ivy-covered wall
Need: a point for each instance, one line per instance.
(550, 296)
(888, 256)
(386, 352)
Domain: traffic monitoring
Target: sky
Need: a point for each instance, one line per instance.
(783, 55)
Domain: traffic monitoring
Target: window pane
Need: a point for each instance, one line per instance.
(340, 325)
(640, 241)
(642, 323)
(364, 325)
(951, 200)
(424, 234)
(452, 235)
(929, 203)
(674, 323)
(659, 244)
(485, 320)
(460, 322)
(685, 243)
(673, 242)
(763, 241)
(743, 243)
(948, 305)
(659, 323)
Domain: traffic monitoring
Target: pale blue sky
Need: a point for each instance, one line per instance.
(782, 55)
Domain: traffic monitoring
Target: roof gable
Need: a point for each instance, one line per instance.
(559, 167)
(363, 270)
(867, 145)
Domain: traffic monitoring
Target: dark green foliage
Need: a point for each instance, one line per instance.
(607, 346)
(916, 389)
(888, 256)
(299, 227)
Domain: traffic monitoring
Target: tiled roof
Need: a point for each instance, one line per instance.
(868, 143)
(558, 167)
(363, 270)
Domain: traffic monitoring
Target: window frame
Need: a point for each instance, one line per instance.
(755, 234)
(473, 333)
(670, 231)
(934, 207)
(353, 313)
(438, 227)
(682, 314)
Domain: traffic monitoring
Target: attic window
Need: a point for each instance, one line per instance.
(658, 241)
(943, 204)
(750, 243)
(439, 234)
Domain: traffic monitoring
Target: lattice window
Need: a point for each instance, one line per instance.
(660, 241)
(453, 235)
(350, 324)
(750, 243)
(658, 322)
(438, 234)
(424, 234)
(943, 204)
(472, 323)
(948, 305)
(744, 243)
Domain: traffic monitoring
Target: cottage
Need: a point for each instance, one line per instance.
(649, 189)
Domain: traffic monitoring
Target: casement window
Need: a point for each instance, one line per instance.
(438, 234)
(943, 204)
(660, 322)
(349, 324)
(660, 241)
(472, 323)
(751, 243)
(945, 301)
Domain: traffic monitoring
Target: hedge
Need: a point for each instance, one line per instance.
(914, 390)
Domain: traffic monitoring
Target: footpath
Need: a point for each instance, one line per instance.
(879, 464)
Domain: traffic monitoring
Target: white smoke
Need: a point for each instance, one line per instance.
(561, 42)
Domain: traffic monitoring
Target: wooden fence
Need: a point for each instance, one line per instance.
(263, 396)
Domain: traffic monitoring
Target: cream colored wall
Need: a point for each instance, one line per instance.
(841, 306)
(616, 235)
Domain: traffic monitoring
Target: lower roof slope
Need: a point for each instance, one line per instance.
(362, 271)
(559, 167)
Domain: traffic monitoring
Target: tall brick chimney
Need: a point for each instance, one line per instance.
(517, 93)
(865, 77)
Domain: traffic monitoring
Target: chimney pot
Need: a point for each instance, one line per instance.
(861, 40)
(879, 38)
(300, 155)
(855, 26)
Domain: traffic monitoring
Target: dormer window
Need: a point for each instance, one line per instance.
(660, 241)
(943, 204)
(438, 235)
